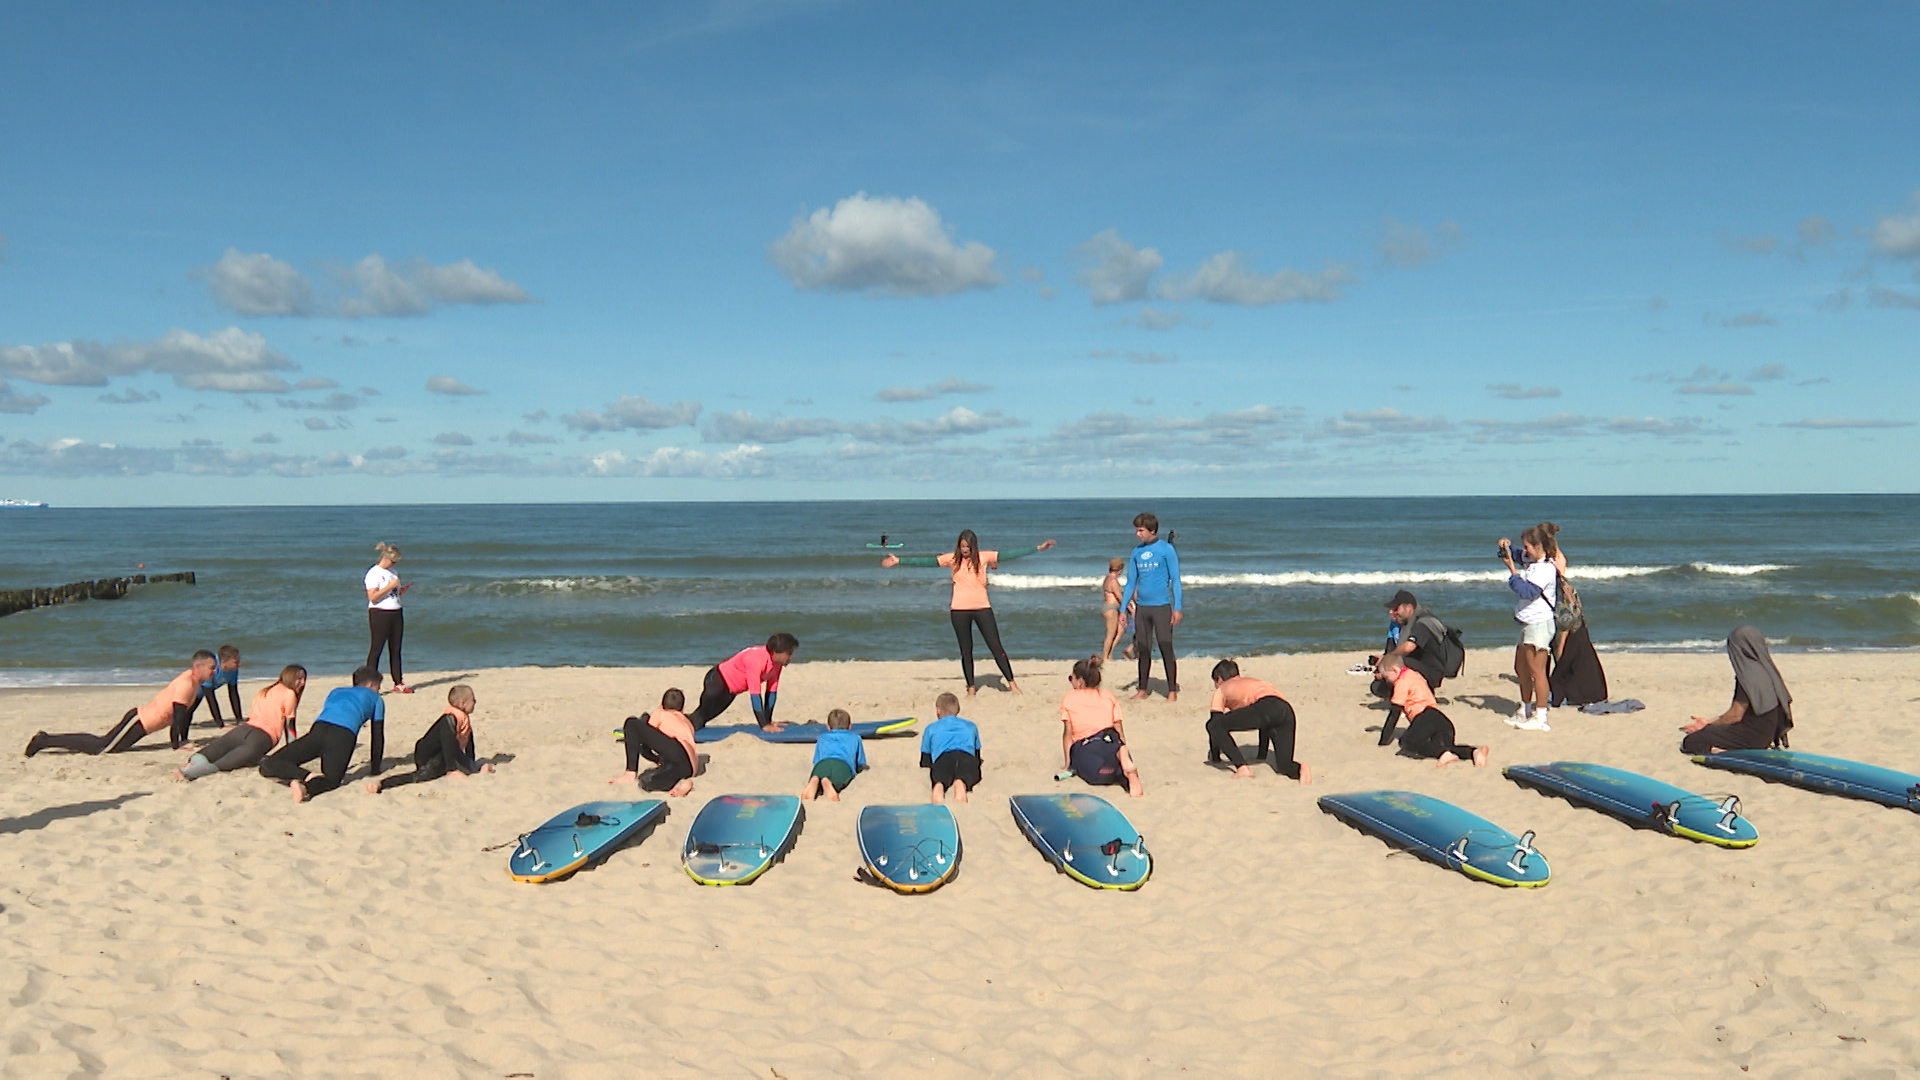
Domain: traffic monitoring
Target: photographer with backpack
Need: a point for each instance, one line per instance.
(1426, 644)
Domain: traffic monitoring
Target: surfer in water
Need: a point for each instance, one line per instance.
(664, 737)
(754, 672)
(446, 749)
(1092, 742)
(1762, 710)
(970, 607)
(1241, 703)
(271, 721)
(171, 708)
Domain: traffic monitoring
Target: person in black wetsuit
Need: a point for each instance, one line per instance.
(447, 749)
(664, 737)
(1761, 712)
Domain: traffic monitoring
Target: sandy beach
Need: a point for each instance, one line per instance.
(218, 929)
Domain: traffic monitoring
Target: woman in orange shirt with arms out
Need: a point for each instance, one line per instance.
(269, 722)
(970, 607)
(171, 708)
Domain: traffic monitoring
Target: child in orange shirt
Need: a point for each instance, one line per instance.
(1092, 742)
(171, 708)
(1429, 732)
(447, 749)
(666, 739)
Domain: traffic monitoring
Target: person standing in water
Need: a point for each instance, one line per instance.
(385, 622)
(970, 607)
(1153, 592)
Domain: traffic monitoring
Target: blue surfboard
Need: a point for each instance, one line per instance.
(1836, 776)
(736, 838)
(1642, 800)
(909, 849)
(1442, 833)
(805, 733)
(1085, 838)
(585, 834)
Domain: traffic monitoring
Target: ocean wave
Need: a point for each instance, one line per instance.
(616, 583)
(1289, 578)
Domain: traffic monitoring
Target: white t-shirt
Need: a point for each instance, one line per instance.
(1540, 608)
(378, 578)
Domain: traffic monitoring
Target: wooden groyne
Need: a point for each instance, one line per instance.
(16, 600)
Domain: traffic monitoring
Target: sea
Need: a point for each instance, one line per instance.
(627, 584)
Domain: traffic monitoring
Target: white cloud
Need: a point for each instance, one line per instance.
(452, 438)
(316, 384)
(957, 421)
(1815, 231)
(528, 438)
(447, 384)
(1362, 423)
(898, 247)
(130, 396)
(1652, 425)
(258, 284)
(1516, 392)
(675, 461)
(1769, 373)
(1836, 423)
(632, 413)
(13, 401)
(339, 401)
(1225, 279)
(231, 359)
(315, 423)
(388, 453)
(744, 427)
(1112, 270)
(1898, 236)
(1718, 389)
(1161, 319)
(948, 385)
(1892, 298)
(1404, 244)
(266, 438)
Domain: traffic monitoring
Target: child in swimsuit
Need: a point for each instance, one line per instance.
(666, 739)
(1092, 742)
(171, 708)
(270, 722)
(446, 749)
(837, 756)
(1110, 592)
(1429, 733)
(950, 751)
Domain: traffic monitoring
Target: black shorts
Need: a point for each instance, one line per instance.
(955, 765)
(1096, 758)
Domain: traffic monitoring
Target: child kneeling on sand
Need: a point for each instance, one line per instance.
(1429, 732)
(1092, 741)
(447, 747)
(666, 739)
(950, 751)
(837, 756)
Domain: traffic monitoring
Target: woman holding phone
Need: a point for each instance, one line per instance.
(385, 621)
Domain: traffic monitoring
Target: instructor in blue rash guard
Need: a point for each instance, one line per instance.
(1153, 591)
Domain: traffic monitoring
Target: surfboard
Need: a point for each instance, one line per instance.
(909, 849)
(1085, 838)
(1642, 800)
(888, 547)
(1442, 833)
(585, 834)
(1836, 776)
(736, 838)
(805, 733)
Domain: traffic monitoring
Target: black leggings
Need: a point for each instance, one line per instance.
(1153, 623)
(331, 743)
(714, 699)
(213, 704)
(387, 627)
(436, 754)
(128, 731)
(963, 624)
(1431, 734)
(646, 741)
(1272, 717)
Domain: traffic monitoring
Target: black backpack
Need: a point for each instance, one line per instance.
(1452, 652)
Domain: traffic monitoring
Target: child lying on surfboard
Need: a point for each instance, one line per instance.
(950, 751)
(837, 756)
(1429, 732)
(666, 739)
(1092, 742)
(447, 747)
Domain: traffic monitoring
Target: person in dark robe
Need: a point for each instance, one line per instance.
(1577, 678)
(1762, 710)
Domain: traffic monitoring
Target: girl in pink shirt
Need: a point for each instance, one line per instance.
(754, 672)
(171, 708)
(969, 607)
(1092, 742)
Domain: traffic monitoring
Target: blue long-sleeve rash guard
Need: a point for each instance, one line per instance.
(1155, 576)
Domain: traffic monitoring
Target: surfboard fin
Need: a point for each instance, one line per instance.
(1518, 864)
(1729, 809)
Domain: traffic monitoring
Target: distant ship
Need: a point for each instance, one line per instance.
(21, 504)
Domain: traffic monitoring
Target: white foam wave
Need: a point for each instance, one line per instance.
(1738, 569)
(613, 583)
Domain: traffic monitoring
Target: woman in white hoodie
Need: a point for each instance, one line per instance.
(1535, 584)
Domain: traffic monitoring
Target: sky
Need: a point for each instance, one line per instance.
(344, 253)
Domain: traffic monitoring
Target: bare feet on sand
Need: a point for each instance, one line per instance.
(180, 776)
(373, 787)
(1241, 772)
(1480, 757)
(1445, 759)
(1140, 695)
(681, 789)
(625, 778)
(298, 789)
(1306, 775)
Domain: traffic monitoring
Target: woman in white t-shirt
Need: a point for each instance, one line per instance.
(1535, 587)
(384, 618)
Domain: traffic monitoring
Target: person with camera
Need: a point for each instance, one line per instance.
(1534, 580)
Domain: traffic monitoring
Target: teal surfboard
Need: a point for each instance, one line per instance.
(909, 849)
(1085, 838)
(1642, 800)
(585, 834)
(805, 733)
(736, 838)
(1442, 833)
(1836, 776)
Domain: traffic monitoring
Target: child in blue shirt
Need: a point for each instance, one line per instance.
(226, 673)
(837, 755)
(950, 751)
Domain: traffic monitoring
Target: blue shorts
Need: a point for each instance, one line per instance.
(1096, 758)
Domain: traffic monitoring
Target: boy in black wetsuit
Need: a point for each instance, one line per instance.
(447, 749)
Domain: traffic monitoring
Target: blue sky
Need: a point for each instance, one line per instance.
(260, 254)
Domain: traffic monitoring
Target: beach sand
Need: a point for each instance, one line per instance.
(218, 929)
